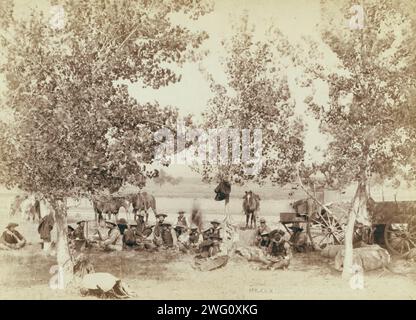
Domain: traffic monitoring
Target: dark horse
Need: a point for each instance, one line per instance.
(143, 201)
(110, 205)
(251, 205)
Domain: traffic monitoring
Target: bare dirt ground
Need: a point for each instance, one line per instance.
(25, 274)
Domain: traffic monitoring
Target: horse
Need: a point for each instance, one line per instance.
(143, 201)
(251, 205)
(110, 206)
(27, 205)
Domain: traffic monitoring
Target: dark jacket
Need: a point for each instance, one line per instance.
(45, 227)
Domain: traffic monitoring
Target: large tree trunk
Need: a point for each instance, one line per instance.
(357, 212)
(64, 258)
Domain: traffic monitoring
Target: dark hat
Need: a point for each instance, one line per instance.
(122, 221)
(11, 225)
(181, 211)
(110, 222)
(81, 221)
(161, 214)
(71, 228)
(215, 221)
(180, 226)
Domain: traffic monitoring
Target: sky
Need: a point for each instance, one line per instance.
(295, 18)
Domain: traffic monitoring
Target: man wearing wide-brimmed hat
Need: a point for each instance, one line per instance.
(262, 228)
(11, 238)
(194, 235)
(113, 242)
(79, 232)
(160, 218)
(182, 219)
(216, 228)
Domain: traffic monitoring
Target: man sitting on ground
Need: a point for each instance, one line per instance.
(113, 242)
(11, 238)
(262, 228)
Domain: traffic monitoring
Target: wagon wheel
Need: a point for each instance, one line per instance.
(400, 237)
(324, 230)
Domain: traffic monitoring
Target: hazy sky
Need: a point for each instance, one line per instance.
(295, 18)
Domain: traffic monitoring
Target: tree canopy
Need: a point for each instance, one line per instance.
(76, 128)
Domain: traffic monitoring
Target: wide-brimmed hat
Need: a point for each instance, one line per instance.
(166, 223)
(161, 214)
(110, 222)
(193, 227)
(181, 211)
(122, 221)
(71, 227)
(81, 221)
(264, 233)
(11, 225)
(215, 221)
(262, 220)
(180, 226)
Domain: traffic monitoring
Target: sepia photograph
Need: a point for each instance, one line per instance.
(207, 150)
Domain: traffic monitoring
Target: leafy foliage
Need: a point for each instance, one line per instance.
(75, 128)
(257, 96)
(370, 115)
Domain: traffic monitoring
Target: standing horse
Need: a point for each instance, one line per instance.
(143, 201)
(110, 206)
(251, 205)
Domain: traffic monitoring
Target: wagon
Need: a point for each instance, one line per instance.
(393, 224)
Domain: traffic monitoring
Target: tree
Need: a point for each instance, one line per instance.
(370, 115)
(256, 97)
(75, 127)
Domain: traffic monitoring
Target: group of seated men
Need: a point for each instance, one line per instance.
(272, 242)
(120, 235)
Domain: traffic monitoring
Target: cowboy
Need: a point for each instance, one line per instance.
(70, 232)
(79, 231)
(215, 230)
(262, 228)
(45, 227)
(279, 246)
(194, 235)
(180, 229)
(168, 235)
(298, 239)
(157, 230)
(183, 238)
(122, 225)
(11, 238)
(181, 219)
(142, 238)
(206, 243)
(130, 236)
(264, 240)
(112, 243)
